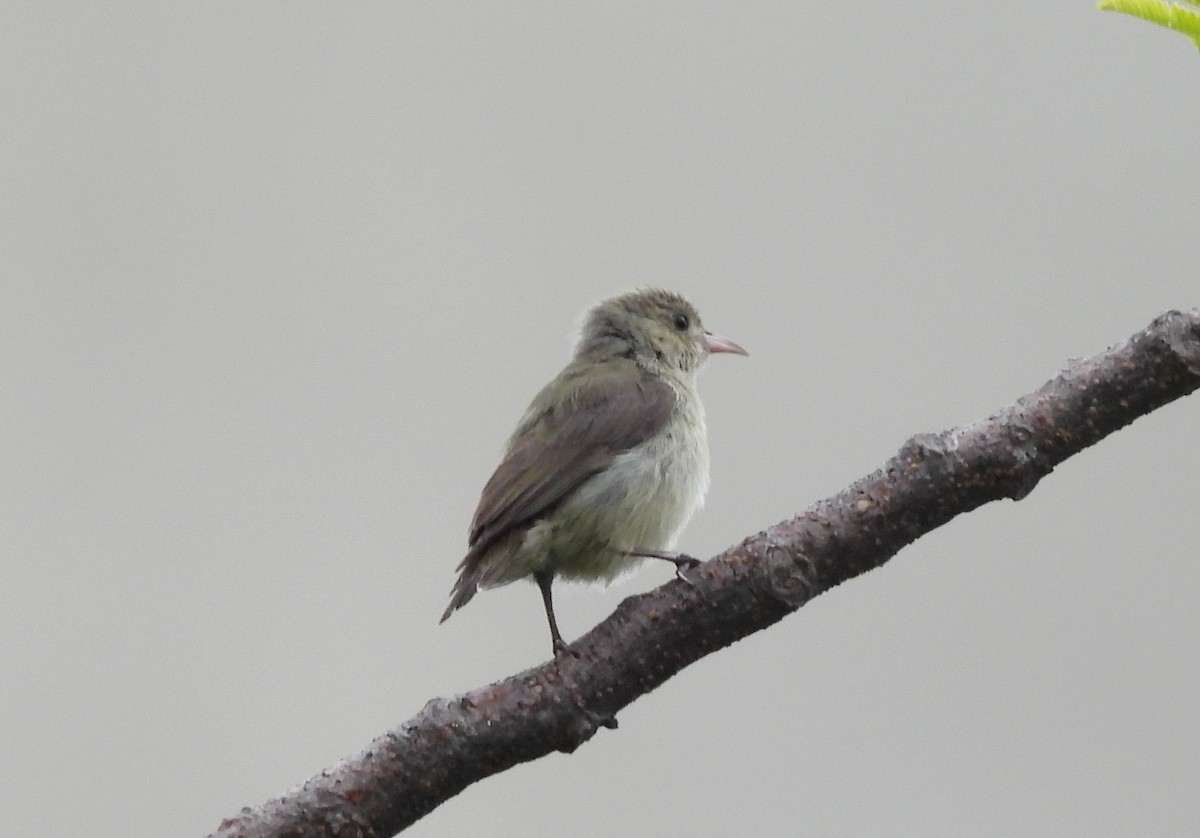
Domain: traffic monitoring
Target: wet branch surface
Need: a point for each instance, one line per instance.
(454, 742)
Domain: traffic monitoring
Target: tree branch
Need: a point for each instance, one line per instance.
(454, 742)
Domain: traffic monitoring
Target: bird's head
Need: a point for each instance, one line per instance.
(658, 329)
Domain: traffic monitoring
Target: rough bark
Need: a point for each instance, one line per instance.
(456, 741)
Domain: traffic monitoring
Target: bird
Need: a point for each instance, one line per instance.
(608, 462)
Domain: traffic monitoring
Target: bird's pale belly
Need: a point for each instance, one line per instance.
(641, 501)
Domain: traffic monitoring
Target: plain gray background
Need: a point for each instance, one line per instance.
(276, 280)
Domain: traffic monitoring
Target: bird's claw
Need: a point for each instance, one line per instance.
(684, 562)
(561, 648)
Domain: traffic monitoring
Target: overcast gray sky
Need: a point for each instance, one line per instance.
(276, 281)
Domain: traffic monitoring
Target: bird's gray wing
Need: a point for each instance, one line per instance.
(610, 409)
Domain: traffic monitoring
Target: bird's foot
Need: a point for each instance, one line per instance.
(685, 562)
(561, 648)
(682, 561)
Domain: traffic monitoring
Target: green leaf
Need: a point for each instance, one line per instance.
(1171, 15)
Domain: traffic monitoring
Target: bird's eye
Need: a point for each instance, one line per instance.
(681, 322)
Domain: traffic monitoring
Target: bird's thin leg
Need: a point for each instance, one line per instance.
(682, 561)
(544, 581)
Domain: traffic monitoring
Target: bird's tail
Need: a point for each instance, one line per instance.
(484, 566)
(462, 592)
(470, 574)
